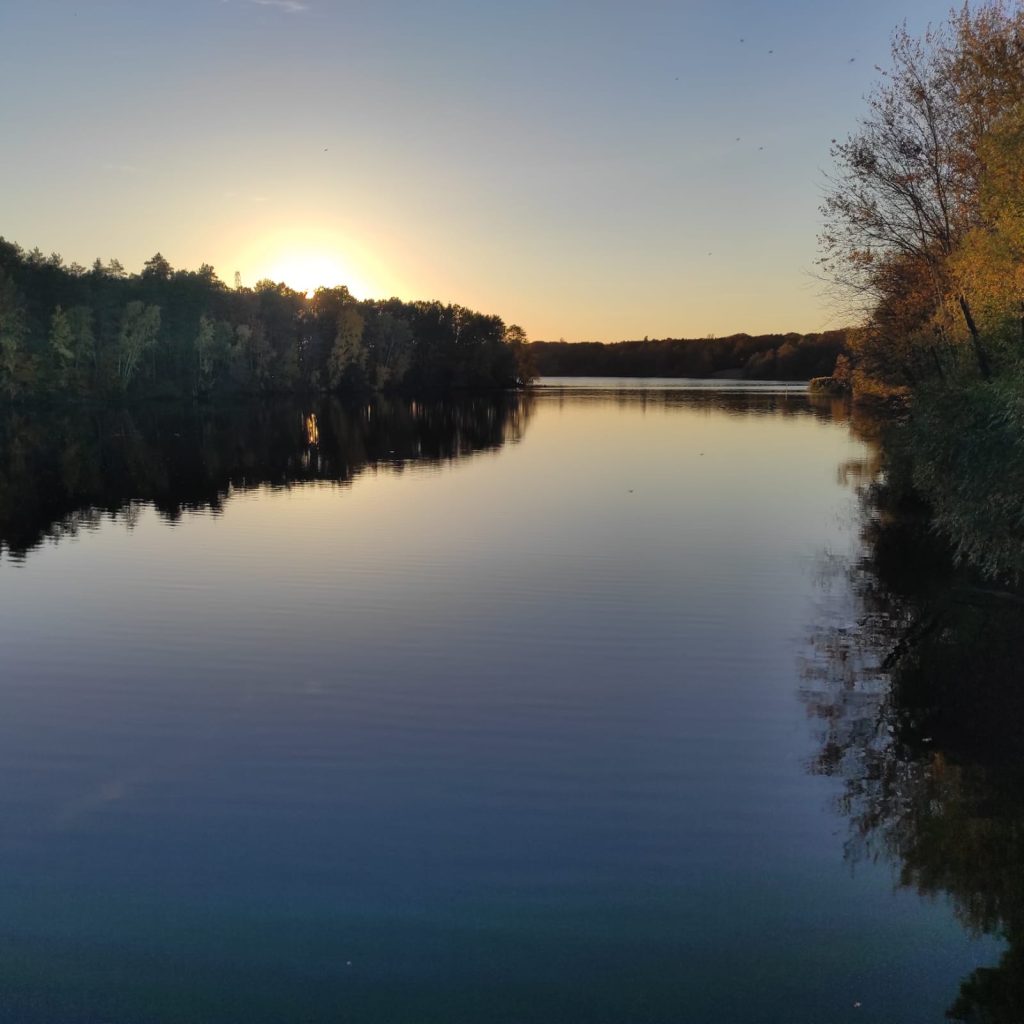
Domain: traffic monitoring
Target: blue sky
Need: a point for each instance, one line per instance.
(571, 166)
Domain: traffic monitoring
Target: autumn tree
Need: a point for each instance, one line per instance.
(991, 256)
(908, 199)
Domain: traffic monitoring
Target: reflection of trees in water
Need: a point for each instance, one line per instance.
(64, 470)
(919, 699)
(760, 401)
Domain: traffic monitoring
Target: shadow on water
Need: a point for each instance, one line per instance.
(918, 699)
(65, 470)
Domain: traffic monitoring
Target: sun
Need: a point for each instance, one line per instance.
(306, 270)
(306, 258)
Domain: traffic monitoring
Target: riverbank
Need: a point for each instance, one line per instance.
(962, 450)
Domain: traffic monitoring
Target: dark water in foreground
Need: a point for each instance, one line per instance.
(554, 709)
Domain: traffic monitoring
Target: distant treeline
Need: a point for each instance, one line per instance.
(752, 357)
(99, 331)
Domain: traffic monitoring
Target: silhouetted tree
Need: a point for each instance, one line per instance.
(71, 331)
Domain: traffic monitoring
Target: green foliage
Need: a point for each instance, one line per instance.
(965, 445)
(346, 364)
(391, 341)
(61, 342)
(12, 337)
(139, 326)
(166, 332)
(206, 361)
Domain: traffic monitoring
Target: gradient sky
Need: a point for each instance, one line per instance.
(570, 166)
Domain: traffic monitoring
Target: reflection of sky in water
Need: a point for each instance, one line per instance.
(518, 735)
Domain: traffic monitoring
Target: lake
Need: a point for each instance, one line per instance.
(557, 707)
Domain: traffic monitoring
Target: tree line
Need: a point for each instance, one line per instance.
(68, 330)
(752, 357)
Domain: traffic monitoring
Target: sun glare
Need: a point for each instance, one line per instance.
(309, 258)
(307, 271)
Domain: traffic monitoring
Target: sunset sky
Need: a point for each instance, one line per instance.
(573, 167)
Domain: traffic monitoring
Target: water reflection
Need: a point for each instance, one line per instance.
(916, 689)
(512, 742)
(737, 398)
(64, 470)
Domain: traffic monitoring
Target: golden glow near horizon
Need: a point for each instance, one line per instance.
(311, 259)
(649, 179)
(305, 272)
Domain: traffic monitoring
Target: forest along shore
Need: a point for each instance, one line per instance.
(736, 357)
(71, 332)
(924, 225)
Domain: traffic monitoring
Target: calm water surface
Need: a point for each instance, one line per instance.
(500, 711)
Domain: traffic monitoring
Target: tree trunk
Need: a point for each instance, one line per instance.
(979, 351)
